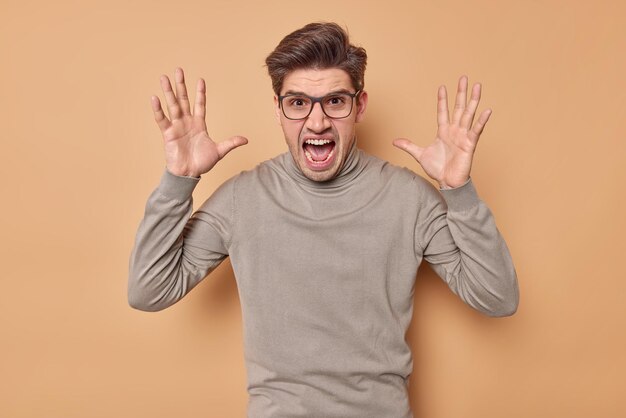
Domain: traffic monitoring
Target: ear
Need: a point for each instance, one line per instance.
(361, 106)
(277, 110)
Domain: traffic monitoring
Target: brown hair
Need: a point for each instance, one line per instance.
(318, 46)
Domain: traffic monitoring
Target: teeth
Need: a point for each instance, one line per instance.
(318, 141)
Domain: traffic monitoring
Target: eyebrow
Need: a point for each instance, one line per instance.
(300, 93)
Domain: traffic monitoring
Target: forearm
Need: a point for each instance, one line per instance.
(471, 255)
(162, 267)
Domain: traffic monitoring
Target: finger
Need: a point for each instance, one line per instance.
(406, 145)
(442, 106)
(181, 92)
(170, 98)
(478, 127)
(159, 116)
(470, 110)
(461, 97)
(230, 144)
(200, 105)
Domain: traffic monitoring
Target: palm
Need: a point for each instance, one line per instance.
(189, 150)
(188, 146)
(448, 160)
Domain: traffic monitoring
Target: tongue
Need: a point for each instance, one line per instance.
(319, 152)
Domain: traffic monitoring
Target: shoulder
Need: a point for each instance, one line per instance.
(408, 193)
(249, 184)
(265, 172)
(392, 174)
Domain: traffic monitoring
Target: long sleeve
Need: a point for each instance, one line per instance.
(173, 252)
(460, 240)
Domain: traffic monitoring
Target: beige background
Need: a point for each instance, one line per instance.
(81, 153)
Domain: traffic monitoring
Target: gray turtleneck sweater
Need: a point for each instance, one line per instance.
(325, 273)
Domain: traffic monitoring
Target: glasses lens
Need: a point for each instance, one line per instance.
(296, 107)
(337, 105)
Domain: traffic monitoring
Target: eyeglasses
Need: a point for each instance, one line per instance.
(334, 105)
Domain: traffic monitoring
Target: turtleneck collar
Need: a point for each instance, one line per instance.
(353, 165)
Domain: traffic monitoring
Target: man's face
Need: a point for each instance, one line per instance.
(318, 144)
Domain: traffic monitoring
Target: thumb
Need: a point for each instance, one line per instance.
(406, 145)
(230, 144)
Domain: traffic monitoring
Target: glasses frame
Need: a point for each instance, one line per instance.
(318, 100)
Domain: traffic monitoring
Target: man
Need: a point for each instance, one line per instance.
(324, 240)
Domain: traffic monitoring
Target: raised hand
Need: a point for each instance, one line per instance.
(189, 151)
(448, 160)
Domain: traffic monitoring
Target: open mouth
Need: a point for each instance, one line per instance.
(318, 151)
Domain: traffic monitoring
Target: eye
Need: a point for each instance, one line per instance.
(296, 101)
(335, 100)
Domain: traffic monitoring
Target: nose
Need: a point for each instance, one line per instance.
(317, 121)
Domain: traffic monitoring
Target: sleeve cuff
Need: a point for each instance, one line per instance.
(461, 198)
(177, 187)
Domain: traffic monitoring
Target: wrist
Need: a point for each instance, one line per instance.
(183, 173)
(453, 185)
